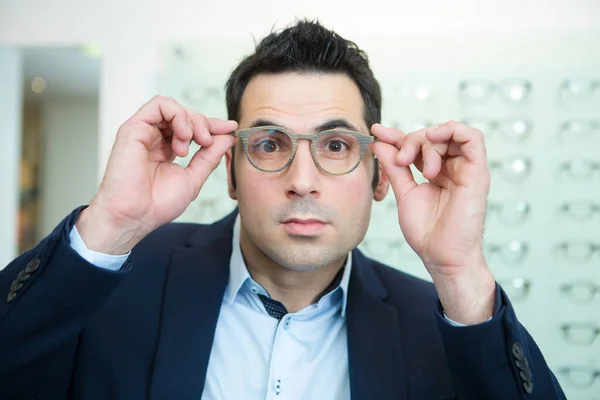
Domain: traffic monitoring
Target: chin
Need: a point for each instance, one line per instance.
(308, 257)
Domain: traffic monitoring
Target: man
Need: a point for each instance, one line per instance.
(274, 301)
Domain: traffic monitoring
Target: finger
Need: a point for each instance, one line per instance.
(469, 139)
(200, 128)
(391, 136)
(432, 161)
(411, 147)
(401, 178)
(221, 126)
(207, 159)
(161, 109)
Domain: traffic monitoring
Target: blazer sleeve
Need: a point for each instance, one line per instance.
(47, 296)
(497, 359)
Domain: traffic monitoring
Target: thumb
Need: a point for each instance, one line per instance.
(401, 178)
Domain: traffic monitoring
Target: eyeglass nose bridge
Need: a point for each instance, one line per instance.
(311, 148)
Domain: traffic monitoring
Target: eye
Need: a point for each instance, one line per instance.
(267, 146)
(336, 145)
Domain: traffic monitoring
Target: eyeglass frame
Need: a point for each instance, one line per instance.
(364, 140)
(566, 329)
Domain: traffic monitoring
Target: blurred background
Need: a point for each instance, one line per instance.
(527, 73)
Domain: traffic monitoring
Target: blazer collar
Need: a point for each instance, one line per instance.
(192, 300)
(375, 353)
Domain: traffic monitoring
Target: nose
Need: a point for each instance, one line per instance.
(303, 175)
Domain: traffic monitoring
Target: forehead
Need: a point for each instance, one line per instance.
(302, 101)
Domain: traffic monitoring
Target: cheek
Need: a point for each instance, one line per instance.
(255, 191)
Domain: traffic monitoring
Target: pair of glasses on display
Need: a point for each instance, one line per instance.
(579, 131)
(580, 333)
(514, 169)
(517, 289)
(579, 376)
(578, 251)
(579, 170)
(515, 130)
(511, 212)
(479, 91)
(579, 210)
(580, 292)
(334, 151)
(512, 252)
(574, 90)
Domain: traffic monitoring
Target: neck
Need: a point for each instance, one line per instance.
(294, 289)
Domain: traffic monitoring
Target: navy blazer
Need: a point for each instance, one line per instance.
(70, 330)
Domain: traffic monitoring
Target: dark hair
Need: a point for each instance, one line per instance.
(307, 47)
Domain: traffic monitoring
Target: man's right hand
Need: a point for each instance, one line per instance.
(142, 188)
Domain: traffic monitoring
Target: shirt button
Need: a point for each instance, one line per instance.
(278, 387)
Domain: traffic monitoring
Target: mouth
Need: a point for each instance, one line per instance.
(304, 227)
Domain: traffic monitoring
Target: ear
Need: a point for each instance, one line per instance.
(228, 164)
(382, 187)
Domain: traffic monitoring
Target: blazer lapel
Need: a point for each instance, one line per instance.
(375, 353)
(194, 288)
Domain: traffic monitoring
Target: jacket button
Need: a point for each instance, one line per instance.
(11, 296)
(522, 364)
(526, 375)
(16, 286)
(22, 277)
(528, 386)
(33, 265)
(517, 351)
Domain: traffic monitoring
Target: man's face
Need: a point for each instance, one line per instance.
(302, 218)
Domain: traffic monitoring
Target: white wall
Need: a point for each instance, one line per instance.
(132, 30)
(10, 149)
(69, 151)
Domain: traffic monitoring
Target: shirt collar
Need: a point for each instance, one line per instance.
(238, 272)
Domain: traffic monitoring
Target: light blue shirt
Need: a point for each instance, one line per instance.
(255, 356)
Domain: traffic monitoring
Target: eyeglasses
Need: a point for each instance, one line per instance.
(515, 169)
(512, 252)
(513, 129)
(579, 210)
(579, 170)
(480, 91)
(510, 212)
(334, 151)
(575, 129)
(517, 289)
(580, 333)
(578, 252)
(580, 376)
(580, 292)
(573, 90)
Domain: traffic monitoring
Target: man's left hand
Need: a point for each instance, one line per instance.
(443, 219)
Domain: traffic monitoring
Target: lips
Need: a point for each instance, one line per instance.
(304, 227)
(304, 221)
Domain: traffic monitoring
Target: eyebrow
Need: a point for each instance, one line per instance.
(331, 124)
